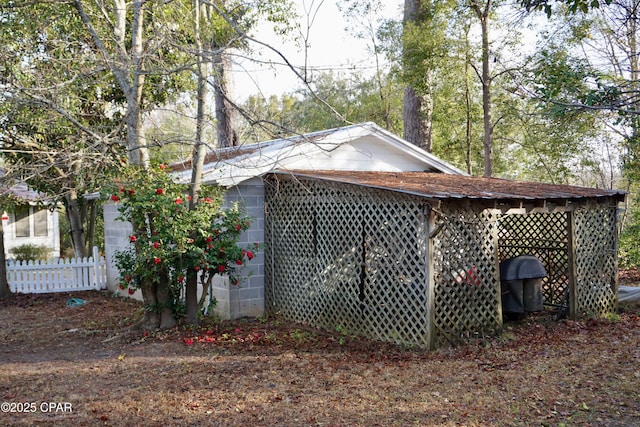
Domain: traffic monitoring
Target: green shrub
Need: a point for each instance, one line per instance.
(30, 252)
(630, 240)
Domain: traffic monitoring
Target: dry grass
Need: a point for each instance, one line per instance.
(258, 373)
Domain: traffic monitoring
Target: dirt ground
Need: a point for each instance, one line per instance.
(83, 366)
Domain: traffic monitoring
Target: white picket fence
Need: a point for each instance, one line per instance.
(59, 275)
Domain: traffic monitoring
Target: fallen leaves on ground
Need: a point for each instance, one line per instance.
(261, 372)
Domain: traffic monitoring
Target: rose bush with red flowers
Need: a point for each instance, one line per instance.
(171, 239)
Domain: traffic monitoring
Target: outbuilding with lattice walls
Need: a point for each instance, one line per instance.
(414, 258)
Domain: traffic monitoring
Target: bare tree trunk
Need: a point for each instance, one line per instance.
(468, 103)
(200, 148)
(5, 291)
(468, 140)
(167, 320)
(74, 216)
(198, 155)
(127, 67)
(151, 319)
(138, 151)
(483, 15)
(418, 107)
(418, 111)
(225, 110)
(91, 224)
(486, 103)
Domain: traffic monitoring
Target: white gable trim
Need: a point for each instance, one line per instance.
(322, 150)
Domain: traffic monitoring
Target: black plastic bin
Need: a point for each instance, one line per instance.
(521, 283)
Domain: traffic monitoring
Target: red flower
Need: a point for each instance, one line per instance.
(221, 268)
(131, 291)
(132, 238)
(127, 278)
(238, 262)
(197, 268)
(180, 279)
(178, 201)
(162, 167)
(238, 227)
(156, 245)
(190, 240)
(249, 255)
(208, 239)
(207, 200)
(159, 191)
(115, 198)
(188, 341)
(121, 286)
(132, 192)
(157, 260)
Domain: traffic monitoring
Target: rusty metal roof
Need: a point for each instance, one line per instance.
(447, 186)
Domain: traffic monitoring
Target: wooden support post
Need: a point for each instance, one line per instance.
(573, 308)
(496, 266)
(431, 282)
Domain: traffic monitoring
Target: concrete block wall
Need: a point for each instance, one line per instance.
(246, 299)
(116, 238)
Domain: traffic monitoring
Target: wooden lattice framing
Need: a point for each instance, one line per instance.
(349, 258)
(466, 276)
(577, 246)
(595, 261)
(415, 271)
(545, 236)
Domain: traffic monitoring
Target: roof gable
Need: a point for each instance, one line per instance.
(360, 147)
(20, 191)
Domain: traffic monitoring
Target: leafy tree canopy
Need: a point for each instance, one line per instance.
(573, 6)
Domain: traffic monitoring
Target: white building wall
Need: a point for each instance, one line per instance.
(51, 240)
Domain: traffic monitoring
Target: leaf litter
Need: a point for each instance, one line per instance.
(267, 372)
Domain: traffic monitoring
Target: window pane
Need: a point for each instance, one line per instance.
(40, 222)
(22, 221)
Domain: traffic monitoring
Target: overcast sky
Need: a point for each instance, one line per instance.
(330, 48)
